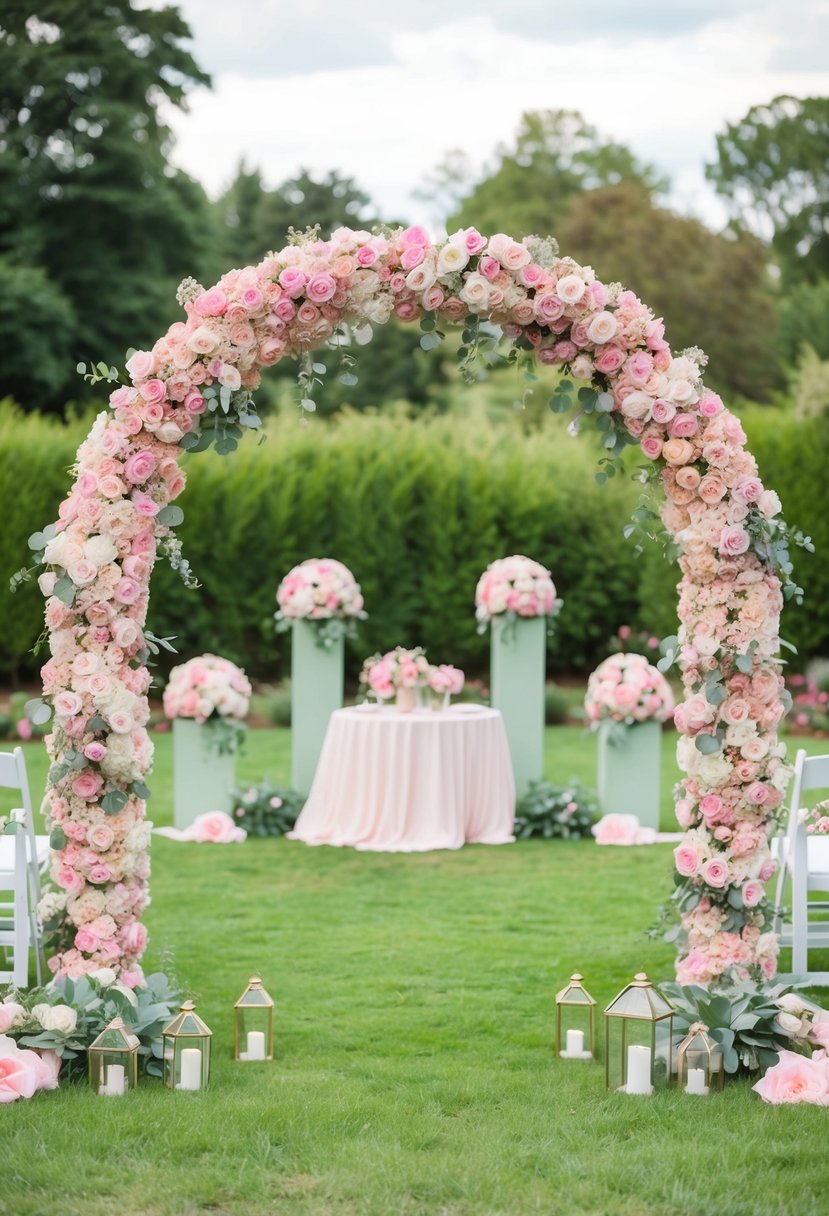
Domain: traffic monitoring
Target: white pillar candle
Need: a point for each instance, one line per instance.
(256, 1045)
(116, 1082)
(639, 1070)
(696, 1082)
(575, 1042)
(190, 1068)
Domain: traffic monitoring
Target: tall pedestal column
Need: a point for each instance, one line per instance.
(517, 677)
(316, 691)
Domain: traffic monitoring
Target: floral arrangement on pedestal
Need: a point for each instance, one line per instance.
(210, 689)
(193, 389)
(626, 689)
(515, 587)
(64, 1018)
(324, 592)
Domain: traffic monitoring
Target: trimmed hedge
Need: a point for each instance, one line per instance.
(417, 509)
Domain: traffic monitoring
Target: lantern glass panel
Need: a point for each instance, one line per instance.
(253, 1015)
(575, 1020)
(186, 1046)
(638, 1038)
(113, 1060)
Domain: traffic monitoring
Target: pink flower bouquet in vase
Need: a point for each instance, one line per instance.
(444, 682)
(207, 699)
(626, 703)
(516, 596)
(400, 673)
(320, 602)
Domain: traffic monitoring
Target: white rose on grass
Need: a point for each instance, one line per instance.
(61, 1019)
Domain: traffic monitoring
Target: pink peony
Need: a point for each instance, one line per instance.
(621, 830)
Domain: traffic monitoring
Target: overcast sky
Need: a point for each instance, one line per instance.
(380, 90)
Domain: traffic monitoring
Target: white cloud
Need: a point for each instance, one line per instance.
(464, 84)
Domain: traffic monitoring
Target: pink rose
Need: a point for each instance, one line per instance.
(715, 873)
(686, 860)
(101, 837)
(211, 303)
(100, 873)
(153, 392)
(139, 466)
(733, 541)
(321, 287)
(87, 784)
(215, 827)
(18, 1072)
(95, 751)
(127, 591)
(617, 829)
(794, 1078)
(752, 893)
(141, 365)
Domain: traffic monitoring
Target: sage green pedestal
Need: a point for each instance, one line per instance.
(628, 771)
(517, 675)
(203, 780)
(316, 691)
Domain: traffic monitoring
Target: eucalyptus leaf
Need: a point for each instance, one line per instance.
(171, 515)
(37, 711)
(113, 802)
(709, 745)
(64, 590)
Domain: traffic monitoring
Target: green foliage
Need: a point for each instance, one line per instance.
(265, 809)
(804, 321)
(146, 1011)
(417, 509)
(719, 297)
(37, 325)
(772, 169)
(744, 1022)
(278, 704)
(557, 155)
(556, 812)
(556, 705)
(88, 201)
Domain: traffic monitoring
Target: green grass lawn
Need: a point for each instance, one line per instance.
(415, 1072)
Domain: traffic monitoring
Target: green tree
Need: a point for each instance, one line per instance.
(804, 321)
(332, 201)
(557, 154)
(772, 169)
(236, 212)
(713, 291)
(86, 192)
(36, 353)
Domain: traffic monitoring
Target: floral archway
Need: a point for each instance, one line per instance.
(193, 389)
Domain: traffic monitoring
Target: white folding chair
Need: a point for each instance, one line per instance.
(804, 861)
(15, 922)
(36, 850)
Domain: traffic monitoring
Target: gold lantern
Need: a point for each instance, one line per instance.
(253, 1023)
(638, 1038)
(186, 1043)
(575, 1013)
(700, 1063)
(113, 1060)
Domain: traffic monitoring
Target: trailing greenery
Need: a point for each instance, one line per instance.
(556, 812)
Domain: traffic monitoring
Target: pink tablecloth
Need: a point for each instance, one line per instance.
(395, 782)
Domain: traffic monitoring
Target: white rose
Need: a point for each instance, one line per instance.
(475, 291)
(378, 311)
(105, 976)
(570, 288)
(637, 405)
(100, 551)
(46, 582)
(169, 432)
(791, 1003)
(741, 733)
(714, 770)
(602, 328)
(421, 278)
(60, 1018)
(452, 258)
(789, 1024)
(582, 367)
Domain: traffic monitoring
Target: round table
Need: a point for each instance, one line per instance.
(409, 782)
